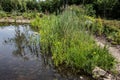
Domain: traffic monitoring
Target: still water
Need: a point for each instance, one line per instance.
(20, 57)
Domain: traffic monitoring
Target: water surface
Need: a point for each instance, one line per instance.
(20, 57)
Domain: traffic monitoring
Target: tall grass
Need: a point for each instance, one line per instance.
(65, 38)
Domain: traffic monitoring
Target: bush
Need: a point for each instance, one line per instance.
(93, 25)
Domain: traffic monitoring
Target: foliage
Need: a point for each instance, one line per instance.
(30, 14)
(99, 26)
(95, 26)
(112, 31)
(2, 14)
(9, 5)
(89, 10)
(103, 8)
(77, 9)
(24, 5)
(64, 37)
(114, 37)
(107, 28)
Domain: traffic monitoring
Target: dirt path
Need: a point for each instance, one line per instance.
(114, 50)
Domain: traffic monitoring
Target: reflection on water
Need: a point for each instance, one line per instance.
(20, 57)
(26, 43)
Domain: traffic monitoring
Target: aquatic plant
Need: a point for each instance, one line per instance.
(65, 38)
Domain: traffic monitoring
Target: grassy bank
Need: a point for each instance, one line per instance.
(66, 39)
(20, 15)
(110, 29)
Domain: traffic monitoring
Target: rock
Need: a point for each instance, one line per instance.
(118, 78)
(101, 74)
(81, 77)
(98, 72)
(109, 77)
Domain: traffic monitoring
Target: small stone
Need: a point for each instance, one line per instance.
(109, 77)
(98, 72)
(118, 78)
(81, 77)
(106, 79)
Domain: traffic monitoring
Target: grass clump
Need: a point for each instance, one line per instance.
(2, 14)
(29, 14)
(65, 38)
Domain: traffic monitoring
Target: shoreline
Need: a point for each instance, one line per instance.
(11, 20)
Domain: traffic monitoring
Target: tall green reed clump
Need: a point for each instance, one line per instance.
(45, 25)
(65, 37)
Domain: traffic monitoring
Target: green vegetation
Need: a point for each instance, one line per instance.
(30, 5)
(112, 31)
(65, 38)
(2, 14)
(67, 33)
(104, 8)
(109, 29)
(19, 15)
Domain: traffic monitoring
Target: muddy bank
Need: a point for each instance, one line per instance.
(11, 20)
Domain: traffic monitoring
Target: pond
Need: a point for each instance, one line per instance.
(20, 57)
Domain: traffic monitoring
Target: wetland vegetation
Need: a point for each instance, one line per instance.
(65, 31)
(69, 43)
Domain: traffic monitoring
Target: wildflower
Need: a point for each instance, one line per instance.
(94, 53)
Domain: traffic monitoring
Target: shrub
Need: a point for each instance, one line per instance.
(99, 27)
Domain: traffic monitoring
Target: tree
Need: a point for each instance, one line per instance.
(105, 5)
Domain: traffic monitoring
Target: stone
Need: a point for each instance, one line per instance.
(81, 77)
(98, 72)
(109, 77)
(101, 74)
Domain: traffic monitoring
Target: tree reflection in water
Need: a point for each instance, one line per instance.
(26, 43)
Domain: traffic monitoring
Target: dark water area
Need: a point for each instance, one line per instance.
(20, 57)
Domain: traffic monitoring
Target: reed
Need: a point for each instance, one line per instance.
(65, 38)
